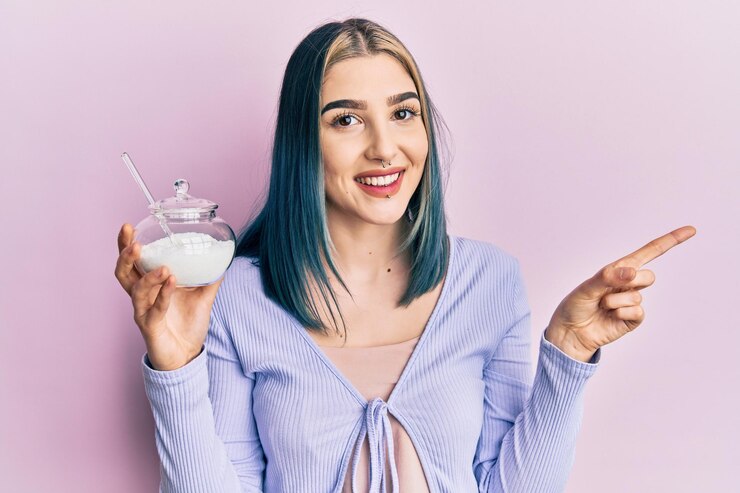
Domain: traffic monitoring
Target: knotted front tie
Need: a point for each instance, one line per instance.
(377, 427)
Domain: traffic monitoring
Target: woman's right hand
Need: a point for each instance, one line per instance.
(173, 321)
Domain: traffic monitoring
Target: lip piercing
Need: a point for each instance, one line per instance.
(382, 163)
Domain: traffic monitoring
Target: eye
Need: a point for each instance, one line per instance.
(343, 120)
(406, 113)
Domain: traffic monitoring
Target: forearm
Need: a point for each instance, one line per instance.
(537, 452)
(193, 457)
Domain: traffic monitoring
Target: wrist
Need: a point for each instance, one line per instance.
(171, 364)
(567, 343)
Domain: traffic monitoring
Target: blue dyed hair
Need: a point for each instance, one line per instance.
(289, 236)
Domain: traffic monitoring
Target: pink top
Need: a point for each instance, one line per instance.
(374, 371)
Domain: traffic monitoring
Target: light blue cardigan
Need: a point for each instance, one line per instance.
(263, 408)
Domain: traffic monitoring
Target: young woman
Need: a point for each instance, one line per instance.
(353, 345)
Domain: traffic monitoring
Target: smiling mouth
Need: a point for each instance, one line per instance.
(379, 181)
(381, 186)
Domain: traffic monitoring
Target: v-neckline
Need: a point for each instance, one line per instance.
(415, 353)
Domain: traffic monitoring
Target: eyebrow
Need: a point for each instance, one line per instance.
(356, 104)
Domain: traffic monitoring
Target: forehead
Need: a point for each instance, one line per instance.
(369, 77)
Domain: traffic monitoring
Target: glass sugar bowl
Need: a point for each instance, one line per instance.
(184, 234)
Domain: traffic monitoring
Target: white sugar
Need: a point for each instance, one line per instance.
(200, 260)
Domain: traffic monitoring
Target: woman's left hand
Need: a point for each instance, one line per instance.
(607, 306)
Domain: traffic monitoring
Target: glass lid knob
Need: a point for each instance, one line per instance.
(181, 187)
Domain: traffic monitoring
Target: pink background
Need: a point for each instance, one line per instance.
(581, 131)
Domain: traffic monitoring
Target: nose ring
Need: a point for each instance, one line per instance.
(382, 163)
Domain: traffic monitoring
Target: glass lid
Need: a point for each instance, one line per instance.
(182, 201)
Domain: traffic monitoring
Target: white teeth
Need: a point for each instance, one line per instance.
(379, 180)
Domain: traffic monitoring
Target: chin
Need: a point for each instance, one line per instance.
(386, 218)
(377, 212)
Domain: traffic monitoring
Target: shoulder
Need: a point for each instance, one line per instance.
(490, 276)
(242, 281)
(243, 269)
(242, 305)
(486, 268)
(480, 255)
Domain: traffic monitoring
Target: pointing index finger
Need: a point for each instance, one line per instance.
(657, 247)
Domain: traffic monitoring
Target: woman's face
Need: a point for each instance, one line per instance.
(370, 112)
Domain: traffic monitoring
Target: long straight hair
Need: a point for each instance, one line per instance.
(289, 237)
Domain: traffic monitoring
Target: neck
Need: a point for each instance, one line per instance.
(364, 251)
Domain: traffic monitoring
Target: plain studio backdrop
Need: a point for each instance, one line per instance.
(581, 130)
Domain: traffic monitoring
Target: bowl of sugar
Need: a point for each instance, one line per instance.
(185, 234)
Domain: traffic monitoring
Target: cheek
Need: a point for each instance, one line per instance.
(333, 185)
(338, 153)
(419, 148)
(417, 151)
(334, 179)
(331, 159)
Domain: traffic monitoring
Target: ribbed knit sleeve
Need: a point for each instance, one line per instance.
(529, 433)
(206, 435)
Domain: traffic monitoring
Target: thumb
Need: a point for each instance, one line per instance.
(623, 275)
(611, 276)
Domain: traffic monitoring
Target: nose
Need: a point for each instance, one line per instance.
(381, 144)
